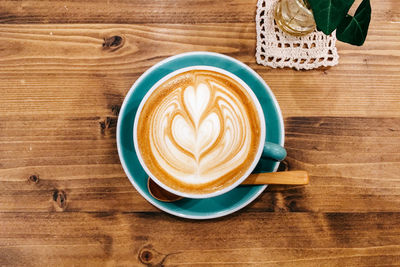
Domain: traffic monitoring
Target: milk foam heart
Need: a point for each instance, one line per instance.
(200, 129)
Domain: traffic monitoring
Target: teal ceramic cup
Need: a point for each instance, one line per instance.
(265, 149)
(211, 207)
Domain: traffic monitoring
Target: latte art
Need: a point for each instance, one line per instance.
(198, 131)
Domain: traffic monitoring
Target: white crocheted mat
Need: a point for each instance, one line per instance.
(277, 49)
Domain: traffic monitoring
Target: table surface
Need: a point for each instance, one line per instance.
(65, 199)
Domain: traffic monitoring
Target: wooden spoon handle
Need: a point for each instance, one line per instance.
(288, 177)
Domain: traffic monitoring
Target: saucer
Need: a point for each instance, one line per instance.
(220, 205)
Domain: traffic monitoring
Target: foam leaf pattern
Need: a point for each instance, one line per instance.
(200, 132)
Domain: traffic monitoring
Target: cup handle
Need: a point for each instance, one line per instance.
(273, 151)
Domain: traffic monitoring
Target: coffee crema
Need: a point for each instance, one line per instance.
(199, 131)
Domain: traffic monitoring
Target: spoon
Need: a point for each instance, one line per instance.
(286, 178)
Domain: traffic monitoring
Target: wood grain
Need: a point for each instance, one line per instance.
(353, 164)
(132, 12)
(65, 67)
(268, 239)
(350, 160)
(72, 57)
(142, 11)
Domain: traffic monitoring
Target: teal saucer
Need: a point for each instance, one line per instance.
(197, 208)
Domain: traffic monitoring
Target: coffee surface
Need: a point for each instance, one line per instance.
(199, 131)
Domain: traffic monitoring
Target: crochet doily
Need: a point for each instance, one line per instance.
(277, 49)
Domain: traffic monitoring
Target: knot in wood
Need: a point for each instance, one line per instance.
(115, 109)
(60, 198)
(34, 178)
(113, 43)
(145, 256)
(108, 123)
(151, 257)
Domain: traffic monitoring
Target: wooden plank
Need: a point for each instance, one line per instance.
(142, 11)
(64, 63)
(353, 163)
(138, 11)
(65, 200)
(273, 239)
(61, 89)
(84, 187)
(350, 160)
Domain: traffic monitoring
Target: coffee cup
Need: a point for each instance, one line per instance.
(200, 131)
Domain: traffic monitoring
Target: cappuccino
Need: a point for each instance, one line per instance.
(198, 132)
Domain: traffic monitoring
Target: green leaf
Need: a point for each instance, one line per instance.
(329, 13)
(353, 30)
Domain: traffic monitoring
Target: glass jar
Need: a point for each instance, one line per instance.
(294, 17)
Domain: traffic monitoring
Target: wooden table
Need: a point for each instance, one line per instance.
(65, 67)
